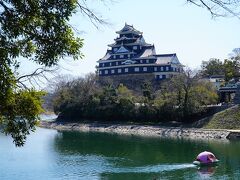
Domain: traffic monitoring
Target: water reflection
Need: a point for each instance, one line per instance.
(206, 172)
(133, 150)
(129, 156)
(49, 154)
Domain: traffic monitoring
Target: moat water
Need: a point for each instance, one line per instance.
(49, 154)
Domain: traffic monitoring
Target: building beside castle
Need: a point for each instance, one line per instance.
(130, 54)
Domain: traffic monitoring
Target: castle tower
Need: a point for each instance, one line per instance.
(130, 54)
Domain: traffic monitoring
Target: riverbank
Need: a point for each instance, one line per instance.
(145, 130)
(228, 119)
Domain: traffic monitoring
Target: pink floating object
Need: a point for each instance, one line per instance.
(206, 157)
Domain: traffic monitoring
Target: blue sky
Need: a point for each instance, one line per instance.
(173, 26)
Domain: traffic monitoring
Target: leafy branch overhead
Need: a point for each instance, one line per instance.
(38, 31)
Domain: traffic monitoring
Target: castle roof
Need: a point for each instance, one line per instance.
(167, 59)
(127, 29)
(106, 57)
(131, 42)
(125, 38)
(147, 53)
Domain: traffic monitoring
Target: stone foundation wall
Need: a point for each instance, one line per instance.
(156, 131)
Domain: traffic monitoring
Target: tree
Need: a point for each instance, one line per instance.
(235, 58)
(76, 98)
(231, 70)
(219, 8)
(40, 32)
(147, 90)
(187, 94)
(212, 67)
(235, 52)
(184, 84)
(125, 103)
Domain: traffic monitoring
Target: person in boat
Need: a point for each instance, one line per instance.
(206, 157)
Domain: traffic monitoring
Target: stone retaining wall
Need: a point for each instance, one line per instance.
(192, 133)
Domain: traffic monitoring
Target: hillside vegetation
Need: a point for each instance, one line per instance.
(181, 98)
(227, 119)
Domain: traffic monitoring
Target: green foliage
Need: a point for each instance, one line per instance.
(125, 103)
(108, 95)
(185, 95)
(230, 68)
(212, 67)
(204, 93)
(40, 32)
(178, 99)
(147, 90)
(147, 113)
(18, 115)
(227, 119)
(124, 92)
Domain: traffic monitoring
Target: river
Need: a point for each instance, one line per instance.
(49, 154)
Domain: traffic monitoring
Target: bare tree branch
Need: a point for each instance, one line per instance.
(4, 6)
(85, 10)
(36, 77)
(219, 8)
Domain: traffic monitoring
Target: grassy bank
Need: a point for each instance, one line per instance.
(227, 119)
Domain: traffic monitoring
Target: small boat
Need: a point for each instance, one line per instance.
(206, 159)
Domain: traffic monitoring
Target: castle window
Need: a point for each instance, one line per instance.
(136, 69)
(121, 56)
(110, 64)
(103, 64)
(161, 68)
(112, 71)
(144, 68)
(147, 61)
(155, 68)
(100, 72)
(119, 70)
(160, 76)
(135, 47)
(106, 72)
(126, 69)
(141, 61)
(116, 63)
(114, 56)
(129, 55)
(167, 68)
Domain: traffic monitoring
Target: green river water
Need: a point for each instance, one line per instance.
(49, 154)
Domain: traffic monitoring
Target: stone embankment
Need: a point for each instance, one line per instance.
(144, 130)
